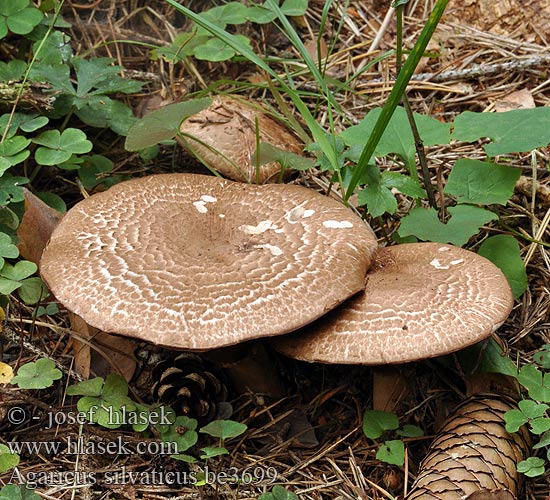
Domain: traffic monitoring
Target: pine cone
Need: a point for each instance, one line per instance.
(473, 456)
(191, 387)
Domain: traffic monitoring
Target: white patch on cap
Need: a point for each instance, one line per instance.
(443, 249)
(438, 265)
(221, 216)
(200, 206)
(272, 248)
(262, 227)
(209, 199)
(338, 224)
(297, 213)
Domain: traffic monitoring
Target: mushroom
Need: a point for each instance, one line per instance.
(225, 136)
(421, 300)
(197, 262)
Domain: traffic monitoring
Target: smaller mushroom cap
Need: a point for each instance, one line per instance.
(197, 262)
(224, 136)
(421, 300)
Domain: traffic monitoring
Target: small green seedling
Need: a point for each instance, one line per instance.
(106, 402)
(39, 374)
(278, 493)
(376, 423)
(8, 460)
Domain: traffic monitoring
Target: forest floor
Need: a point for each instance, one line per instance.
(487, 56)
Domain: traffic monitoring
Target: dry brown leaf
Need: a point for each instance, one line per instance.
(524, 185)
(100, 352)
(6, 373)
(521, 99)
(314, 51)
(37, 224)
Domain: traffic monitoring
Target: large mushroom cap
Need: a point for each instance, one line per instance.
(197, 262)
(225, 135)
(421, 300)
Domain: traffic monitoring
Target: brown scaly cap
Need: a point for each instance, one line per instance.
(226, 133)
(197, 262)
(421, 300)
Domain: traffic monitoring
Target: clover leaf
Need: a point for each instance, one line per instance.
(38, 374)
(16, 16)
(58, 147)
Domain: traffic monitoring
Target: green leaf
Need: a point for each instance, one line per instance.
(24, 21)
(9, 218)
(375, 422)
(10, 189)
(91, 387)
(224, 429)
(294, 7)
(32, 290)
(514, 419)
(287, 159)
(213, 50)
(465, 221)
(511, 131)
(105, 112)
(19, 271)
(378, 199)
(392, 452)
(410, 431)
(55, 50)
(544, 441)
(14, 151)
(12, 70)
(542, 356)
(278, 493)
(397, 137)
(503, 251)
(100, 74)
(209, 452)
(481, 183)
(114, 387)
(531, 467)
(162, 124)
(536, 383)
(59, 146)
(37, 374)
(260, 15)
(92, 172)
(403, 183)
(539, 425)
(8, 286)
(7, 249)
(8, 460)
(56, 75)
(16, 492)
(494, 360)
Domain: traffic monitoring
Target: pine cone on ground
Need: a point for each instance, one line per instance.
(191, 387)
(473, 456)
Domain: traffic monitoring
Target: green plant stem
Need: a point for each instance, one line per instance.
(419, 145)
(396, 94)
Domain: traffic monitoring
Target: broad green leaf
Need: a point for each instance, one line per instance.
(503, 251)
(278, 493)
(19, 271)
(511, 131)
(224, 429)
(493, 360)
(234, 13)
(260, 15)
(403, 183)
(397, 138)
(539, 425)
(542, 356)
(38, 374)
(100, 74)
(14, 151)
(58, 147)
(115, 386)
(287, 159)
(213, 50)
(162, 124)
(24, 21)
(544, 441)
(7, 249)
(532, 467)
(54, 50)
(378, 199)
(375, 422)
(532, 409)
(12, 70)
(8, 460)
(10, 189)
(105, 112)
(91, 387)
(536, 383)
(8, 286)
(410, 431)
(16, 492)
(465, 221)
(294, 7)
(392, 452)
(56, 75)
(481, 183)
(514, 419)
(91, 173)
(32, 290)
(53, 200)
